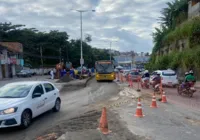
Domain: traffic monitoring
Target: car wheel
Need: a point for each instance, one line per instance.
(26, 119)
(56, 108)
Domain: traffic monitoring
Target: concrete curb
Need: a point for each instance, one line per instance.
(88, 79)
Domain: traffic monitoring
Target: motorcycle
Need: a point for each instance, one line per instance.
(188, 89)
(145, 84)
(157, 88)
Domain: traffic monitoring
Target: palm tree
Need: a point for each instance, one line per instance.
(171, 15)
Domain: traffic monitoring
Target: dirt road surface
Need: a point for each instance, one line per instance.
(77, 114)
(182, 101)
(168, 121)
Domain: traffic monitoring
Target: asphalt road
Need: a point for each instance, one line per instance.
(74, 104)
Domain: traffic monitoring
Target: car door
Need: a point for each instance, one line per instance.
(51, 95)
(38, 103)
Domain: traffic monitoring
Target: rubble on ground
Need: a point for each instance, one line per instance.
(65, 78)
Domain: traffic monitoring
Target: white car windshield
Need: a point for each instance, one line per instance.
(15, 91)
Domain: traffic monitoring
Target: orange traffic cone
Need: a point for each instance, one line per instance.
(164, 99)
(153, 104)
(139, 113)
(103, 125)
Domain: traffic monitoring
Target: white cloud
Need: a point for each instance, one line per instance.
(131, 22)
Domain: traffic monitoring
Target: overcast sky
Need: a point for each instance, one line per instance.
(129, 22)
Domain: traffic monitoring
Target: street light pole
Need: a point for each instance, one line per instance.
(110, 50)
(81, 44)
(81, 60)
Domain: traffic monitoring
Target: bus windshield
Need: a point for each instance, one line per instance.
(104, 68)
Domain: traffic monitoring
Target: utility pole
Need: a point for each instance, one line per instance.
(41, 56)
(67, 53)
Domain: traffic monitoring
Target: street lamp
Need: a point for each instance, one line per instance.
(82, 60)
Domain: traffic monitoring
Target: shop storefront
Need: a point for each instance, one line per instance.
(9, 59)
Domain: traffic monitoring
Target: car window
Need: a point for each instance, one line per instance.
(168, 73)
(48, 87)
(154, 73)
(135, 73)
(15, 91)
(38, 89)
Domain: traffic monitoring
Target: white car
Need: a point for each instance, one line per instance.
(169, 77)
(20, 102)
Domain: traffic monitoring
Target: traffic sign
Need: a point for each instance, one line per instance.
(81, 61)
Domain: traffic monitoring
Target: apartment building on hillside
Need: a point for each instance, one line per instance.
(193, 8)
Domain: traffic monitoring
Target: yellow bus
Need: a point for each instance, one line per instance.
(104, 70)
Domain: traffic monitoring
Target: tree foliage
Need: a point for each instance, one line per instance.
(173, 15)
(53, 44)
(174, 26)
(189, 58)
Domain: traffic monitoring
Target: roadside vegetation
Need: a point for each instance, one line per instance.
(175, 26)
(54, 44)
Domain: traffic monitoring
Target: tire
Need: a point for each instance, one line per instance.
(26, 118)
(57, 105)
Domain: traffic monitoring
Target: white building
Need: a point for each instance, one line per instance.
(193, 8)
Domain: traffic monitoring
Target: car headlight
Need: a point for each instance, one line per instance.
(8, 111)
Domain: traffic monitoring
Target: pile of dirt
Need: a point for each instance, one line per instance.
(87, 121)
(65, 78)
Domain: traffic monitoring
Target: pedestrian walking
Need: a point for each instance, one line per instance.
(52, 74)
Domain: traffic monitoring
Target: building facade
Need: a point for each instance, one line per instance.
(193, 8)
(124, 61)
(11, 58)
(130, 60)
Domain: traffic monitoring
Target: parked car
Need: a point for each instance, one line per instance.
(135, 75)
(20, 102)
(24, 73)
(169, 77)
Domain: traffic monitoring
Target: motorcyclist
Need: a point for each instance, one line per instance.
(145, 76)
(190, 77)
(184, 83)
(157, 80)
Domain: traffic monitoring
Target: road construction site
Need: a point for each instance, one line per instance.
(122, 118)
